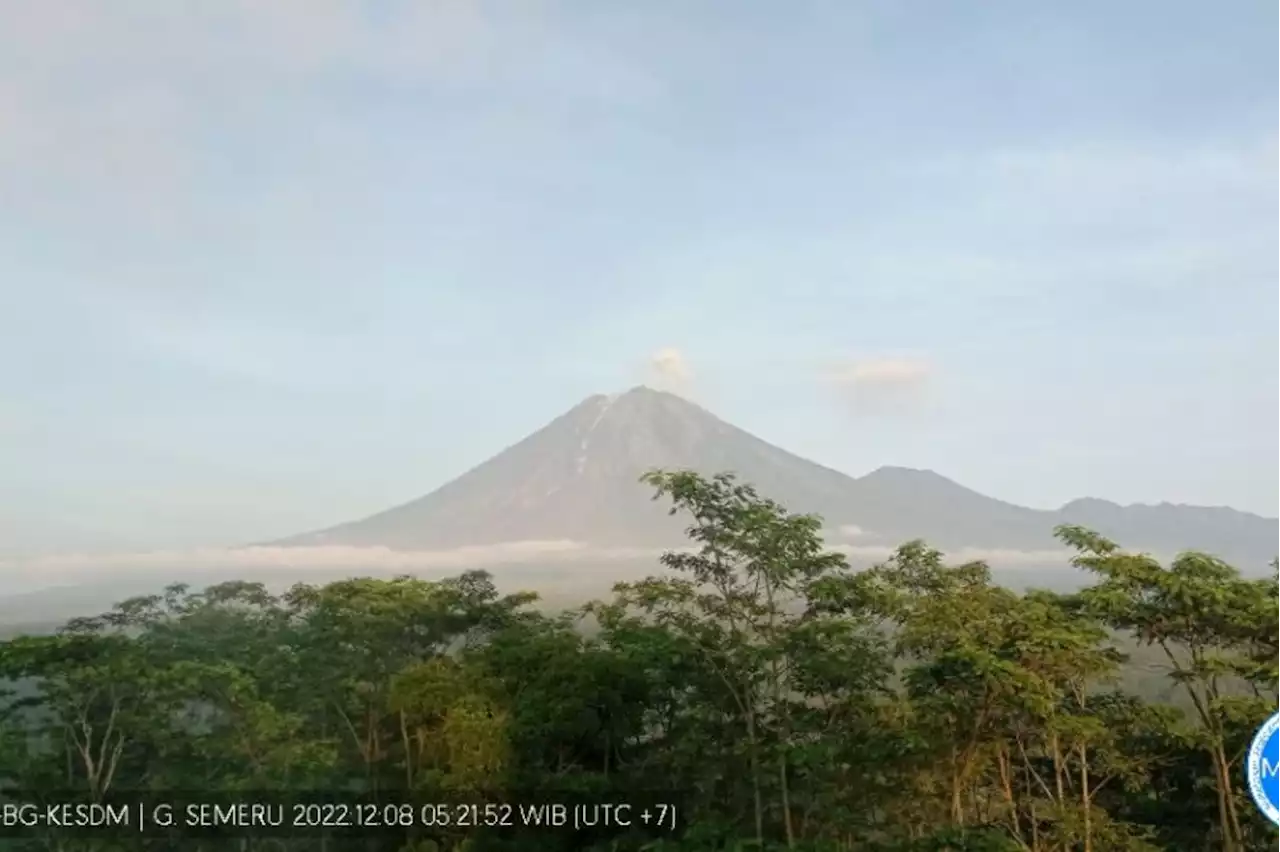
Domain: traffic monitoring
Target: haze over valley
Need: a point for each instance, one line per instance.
(563, 511)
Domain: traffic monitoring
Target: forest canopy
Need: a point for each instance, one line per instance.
(793, 703)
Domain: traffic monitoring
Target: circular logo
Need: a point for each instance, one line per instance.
(1262, 768)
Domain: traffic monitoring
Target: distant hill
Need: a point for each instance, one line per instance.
(1217, 529)
(576, 479)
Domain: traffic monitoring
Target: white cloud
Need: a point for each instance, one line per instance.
(669, 370)
(78, 568)
(882, 385)
(561, 566)
(995, 557)
(884, 372)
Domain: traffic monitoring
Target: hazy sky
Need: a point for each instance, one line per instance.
(267, 265)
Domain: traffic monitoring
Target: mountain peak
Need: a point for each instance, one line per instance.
(644, 391)
(577, 480)
(913, 475)
(898, 470)
(636, 393)
(1088, 503)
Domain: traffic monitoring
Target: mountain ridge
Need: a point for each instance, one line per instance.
(576, 479)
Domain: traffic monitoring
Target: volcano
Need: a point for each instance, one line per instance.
(576, 480)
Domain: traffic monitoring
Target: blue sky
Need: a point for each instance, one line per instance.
(270, 266)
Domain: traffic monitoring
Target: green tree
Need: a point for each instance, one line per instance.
(797, 704)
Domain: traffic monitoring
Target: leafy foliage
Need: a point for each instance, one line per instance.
(794, 703)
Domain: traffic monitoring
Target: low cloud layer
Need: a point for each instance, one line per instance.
(882, 386)
(510, 561)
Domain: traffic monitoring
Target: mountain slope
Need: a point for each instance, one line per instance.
(576, 479)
